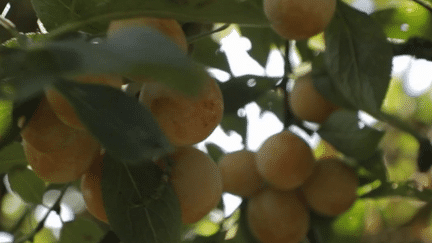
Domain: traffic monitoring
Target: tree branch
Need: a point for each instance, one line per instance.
(416, 46)
(42, 222)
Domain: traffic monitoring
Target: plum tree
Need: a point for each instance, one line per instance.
(307, 103)
(184, 120)
(197, 181)
(64, 110)
(239, 173)
(299, 19)
(56, 152)
(332, 187)
(285, 161)
(277, 217)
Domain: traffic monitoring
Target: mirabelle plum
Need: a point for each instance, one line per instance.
(65, 164)
(299, 19)
(307, 103)
(285, 161)
(56, 152)
(197, 181)
(169, 27)
(239, 173)
(277, 217)
(332, 187)
(91, 189)
(184, 120)
(64, 110)
(45, 132)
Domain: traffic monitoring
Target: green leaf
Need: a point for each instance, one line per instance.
(93, 16)
(124, 127)
(7, 131)
(262, 39)
(32, 37)
(244, 234)
(404, 189)
(19, 110)
(250, 88)
(409, 19)
(231, 122)
(139, 205)
(349, 226)
(214, 151)
(219, 237)
(45, 235)
(351, 39)
(80, 230)
(328, 87)
(12, 156)
(207, 52)
(273, 101)
(27, 185)
(305, 52)
(342, 130)
(375, 165)
(6, 108)
(124, 53)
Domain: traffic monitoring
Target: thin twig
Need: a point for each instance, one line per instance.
(396, 122)
(110, 237)
(288, 116)
(203, 35)
(417, 47)
(9, 26)
(42, 222)
(20, 222)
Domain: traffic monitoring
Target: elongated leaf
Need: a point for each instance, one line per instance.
(351, 38)
(125, 128)
(216, 238)
(207, 52)
(424, 161)
(329, 87)
(262, 39)
(6, 108)
(136, 210)
(19, 110)
(305, 52)
(375, 165)
(349, 226)
(250, 88)
(409, 19)
(80, 230)
(272, 101)
(214, 151)
(27, 185)
(54, 14)
(342, 130)
(244, 234)
(12, 156)
(404, 189)
(158, 58)
(232, 122)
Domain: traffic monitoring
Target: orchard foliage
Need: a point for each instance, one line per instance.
(104, 100)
